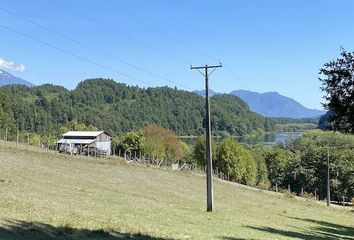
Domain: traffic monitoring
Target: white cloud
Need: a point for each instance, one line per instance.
(5, 65)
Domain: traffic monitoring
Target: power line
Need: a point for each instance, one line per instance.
(135, 40)
(216, 87)
(114, 6)
(73, 54)
(139, 41)
(114, 30)
(236, 77)
(152, 27)
(90, 47)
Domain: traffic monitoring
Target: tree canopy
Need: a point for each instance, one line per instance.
(337, 77)
(118, 108)
(238, 162)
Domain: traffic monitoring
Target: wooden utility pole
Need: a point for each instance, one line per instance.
(328, 181)
(208, 134)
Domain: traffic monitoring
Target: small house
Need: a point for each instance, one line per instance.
(94, 143)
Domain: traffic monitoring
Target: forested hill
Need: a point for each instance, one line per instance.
(118, 108)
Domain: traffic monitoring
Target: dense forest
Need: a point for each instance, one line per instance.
(118, 108)
(286, 120)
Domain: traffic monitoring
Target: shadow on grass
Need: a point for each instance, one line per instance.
(16, 230)
(321, 231)
(233, 238)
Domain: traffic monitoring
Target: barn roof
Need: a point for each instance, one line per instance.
(83, 133)
(77, 141)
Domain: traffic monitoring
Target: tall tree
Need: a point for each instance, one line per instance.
(199, 153)
(338, 84)
(237, 161)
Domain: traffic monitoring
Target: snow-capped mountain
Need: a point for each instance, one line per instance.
(8, 79)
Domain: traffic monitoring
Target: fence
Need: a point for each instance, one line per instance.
(39, 143)
(146, 160)
(24, 140)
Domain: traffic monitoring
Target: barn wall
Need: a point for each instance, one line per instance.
(103, 137)
(106, 146)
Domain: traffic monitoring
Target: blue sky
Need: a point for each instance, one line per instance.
(264, 45)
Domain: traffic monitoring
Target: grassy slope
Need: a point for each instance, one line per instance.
(43, 195)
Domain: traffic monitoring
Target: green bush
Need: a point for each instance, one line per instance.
(287, 193)
(308, 195)
(238, 162)
(264, 185)
(199, 153)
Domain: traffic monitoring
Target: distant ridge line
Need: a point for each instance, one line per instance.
(8, 79)
(272, 104)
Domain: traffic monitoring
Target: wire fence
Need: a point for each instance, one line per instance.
(24, 140)
(38, 143)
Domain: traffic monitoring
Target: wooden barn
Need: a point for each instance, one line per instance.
(94, 143)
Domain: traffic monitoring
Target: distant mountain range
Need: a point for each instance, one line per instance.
(8, 79)
(211, 93)
(272, 104)
(269, 104)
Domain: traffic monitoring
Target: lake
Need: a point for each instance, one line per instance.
(267, 139)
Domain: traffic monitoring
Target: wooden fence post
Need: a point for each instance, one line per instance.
(17, 140)
(39, 143)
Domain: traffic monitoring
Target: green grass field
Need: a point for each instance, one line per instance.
(44, 195)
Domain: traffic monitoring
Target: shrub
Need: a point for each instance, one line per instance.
(237, 161)
(287, 193)
(308, 195)
(264, 185)
(163, 143)
(199, 153)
